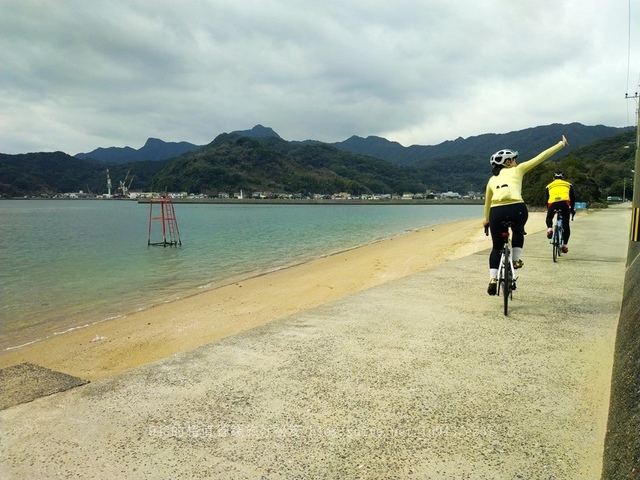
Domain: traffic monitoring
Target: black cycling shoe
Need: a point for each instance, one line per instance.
(493, 287)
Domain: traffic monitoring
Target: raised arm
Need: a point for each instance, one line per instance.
(541, 157)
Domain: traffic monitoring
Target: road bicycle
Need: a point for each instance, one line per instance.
(557, 236)
(506, 272)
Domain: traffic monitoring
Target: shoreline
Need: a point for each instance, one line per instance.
(190, 291)
(276, 201)
(109, 347)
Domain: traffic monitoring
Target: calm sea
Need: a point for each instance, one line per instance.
(67, 264)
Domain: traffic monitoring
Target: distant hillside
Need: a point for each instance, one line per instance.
(265, 162)
(528, 142)
(463, 164)
(597, 170)
(51, 173)
(36, 173)
(154, 149)
(233, 162)
(257, 132)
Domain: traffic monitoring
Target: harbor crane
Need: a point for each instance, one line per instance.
(108, 185)
(124, 187)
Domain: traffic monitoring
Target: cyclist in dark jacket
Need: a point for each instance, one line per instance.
(560, 195)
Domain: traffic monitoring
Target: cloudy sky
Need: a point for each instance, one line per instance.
(78, 74)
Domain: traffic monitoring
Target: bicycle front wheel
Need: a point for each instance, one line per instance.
(560, 240)
(556, 244)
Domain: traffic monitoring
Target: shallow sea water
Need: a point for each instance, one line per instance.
(69, 263)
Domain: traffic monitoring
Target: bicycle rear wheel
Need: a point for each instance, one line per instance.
(506, 281)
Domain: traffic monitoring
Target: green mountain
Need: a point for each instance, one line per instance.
(233, 162)
(156, 149)
(51, 173)
(37, 173)
(528, 142)
(600, 169)
(153, 149)
(268, 163)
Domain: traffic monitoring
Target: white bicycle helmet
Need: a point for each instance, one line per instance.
(502, 156)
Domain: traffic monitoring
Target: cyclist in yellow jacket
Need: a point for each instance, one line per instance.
(560, 195)
(503, 202)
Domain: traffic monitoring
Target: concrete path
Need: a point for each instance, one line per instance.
(418, 378)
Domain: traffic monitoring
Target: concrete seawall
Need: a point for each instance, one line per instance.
(622, 446)
(422, 377)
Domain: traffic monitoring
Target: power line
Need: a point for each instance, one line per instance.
(629, 47)
(626, 95)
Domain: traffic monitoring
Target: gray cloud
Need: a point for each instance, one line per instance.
(78, 75)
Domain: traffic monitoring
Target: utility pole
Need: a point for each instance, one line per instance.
(634, 241)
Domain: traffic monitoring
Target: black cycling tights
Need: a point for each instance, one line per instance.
(565, 209)
(516, 213)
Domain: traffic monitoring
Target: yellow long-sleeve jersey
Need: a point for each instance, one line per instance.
(558, 191)
(506, 187)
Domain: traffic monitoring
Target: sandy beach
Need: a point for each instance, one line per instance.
(115, 346)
